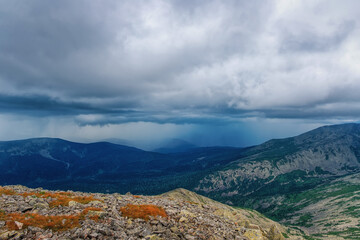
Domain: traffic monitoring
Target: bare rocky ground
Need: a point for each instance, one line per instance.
(39, 214)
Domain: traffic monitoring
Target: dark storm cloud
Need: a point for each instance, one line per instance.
(47, 106)
(198, 62)
(105, 113)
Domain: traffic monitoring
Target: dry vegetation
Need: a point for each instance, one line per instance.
(16, 221)
(66, 222)
(142, 211)
(6, 191)
(61, 198)
(55, 223)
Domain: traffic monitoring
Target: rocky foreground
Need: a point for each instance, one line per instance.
(38, 214)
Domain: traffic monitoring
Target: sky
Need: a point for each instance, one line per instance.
(232, 73)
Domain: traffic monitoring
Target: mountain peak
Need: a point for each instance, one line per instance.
(329, 133)
(338, 128)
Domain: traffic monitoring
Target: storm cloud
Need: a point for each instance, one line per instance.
(183, 63)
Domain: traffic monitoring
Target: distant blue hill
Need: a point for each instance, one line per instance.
(102, 166)
(175, 146)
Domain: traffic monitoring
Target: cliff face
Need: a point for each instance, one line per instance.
(38, 214)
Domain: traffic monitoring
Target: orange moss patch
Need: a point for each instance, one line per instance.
(6, 191)
(46, 194)
(142, 211)
(95, 218)
(2, 215)
(86, 210)
(54, 223)
(62, 198)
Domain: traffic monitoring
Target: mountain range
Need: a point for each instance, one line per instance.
(262, 177)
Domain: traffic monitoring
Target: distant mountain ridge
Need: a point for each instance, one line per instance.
(102, 166)
(175, 146)
(312, 157)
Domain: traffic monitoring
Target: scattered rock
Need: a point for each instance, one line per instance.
(19, 225)
(174, 229)
(187, 213)
(41, 205)
(10, 235)
(189, 237)
(96, 213)
(25, 209)
(94, 202)
(183, 219)
(275, 234)
(253, 234)
(73, 204)
(153, 237)
(190, 219)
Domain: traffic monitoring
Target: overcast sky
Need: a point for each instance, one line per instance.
(211, 72)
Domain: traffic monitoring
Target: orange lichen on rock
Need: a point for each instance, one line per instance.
(6, 191)
(142, 211)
